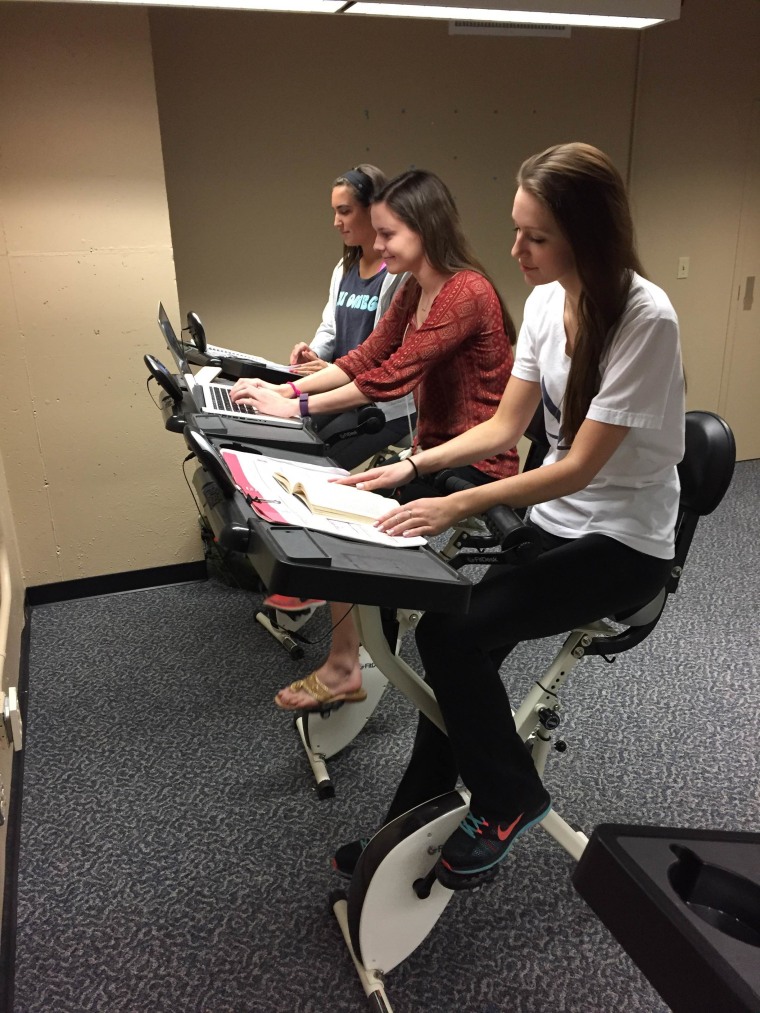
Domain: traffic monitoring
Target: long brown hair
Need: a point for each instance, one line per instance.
(424, 203)
(365, 181)
(586, 195)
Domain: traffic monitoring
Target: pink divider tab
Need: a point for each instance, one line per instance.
(263, 509)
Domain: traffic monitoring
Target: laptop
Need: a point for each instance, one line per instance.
(212, 398)
(198, 334)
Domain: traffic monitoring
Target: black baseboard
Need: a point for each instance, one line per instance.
(13, 842)
(113, 583)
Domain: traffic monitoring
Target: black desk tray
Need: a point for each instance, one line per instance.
(263, 436)
(301, 439)
(685, 905)
(294, 561)
(235, 368)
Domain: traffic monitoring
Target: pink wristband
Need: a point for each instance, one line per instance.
(296, 391)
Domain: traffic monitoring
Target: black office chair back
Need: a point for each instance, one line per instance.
(705, 474)
(708, 463)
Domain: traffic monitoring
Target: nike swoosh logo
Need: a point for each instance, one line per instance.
(504, 834)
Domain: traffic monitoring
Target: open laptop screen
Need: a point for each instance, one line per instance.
(173, 343)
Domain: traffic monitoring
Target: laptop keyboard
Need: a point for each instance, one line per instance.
(222, 400)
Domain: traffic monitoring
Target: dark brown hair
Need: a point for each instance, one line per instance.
(365, 181)
(586, 195)
(424, 203)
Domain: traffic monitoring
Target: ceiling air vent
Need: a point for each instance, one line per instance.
(508, 28)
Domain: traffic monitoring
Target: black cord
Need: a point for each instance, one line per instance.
(195, 499)
(147, 387)
(305, 640)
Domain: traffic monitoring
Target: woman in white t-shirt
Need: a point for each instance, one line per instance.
(599, 347)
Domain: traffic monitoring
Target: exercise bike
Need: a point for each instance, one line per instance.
(500, 538)
(325, 735)
(394, 900)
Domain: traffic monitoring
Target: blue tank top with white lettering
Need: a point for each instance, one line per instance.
(356, 308)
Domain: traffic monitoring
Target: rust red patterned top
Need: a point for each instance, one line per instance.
(457, 363)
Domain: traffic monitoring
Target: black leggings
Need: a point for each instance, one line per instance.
(573, 582)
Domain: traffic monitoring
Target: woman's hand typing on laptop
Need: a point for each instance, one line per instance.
(267, 398)
(241, 386)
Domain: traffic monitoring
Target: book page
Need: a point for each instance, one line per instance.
(342, 502)
(254, 474)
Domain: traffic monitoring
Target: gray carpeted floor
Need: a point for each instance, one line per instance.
(175, 855)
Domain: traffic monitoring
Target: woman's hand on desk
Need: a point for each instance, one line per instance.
(427, 516)
(305, 368)
(422, 517)
(390, 476)
(304, 360)
(301, 353)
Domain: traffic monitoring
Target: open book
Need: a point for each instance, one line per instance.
(261, 478)
(342, 502)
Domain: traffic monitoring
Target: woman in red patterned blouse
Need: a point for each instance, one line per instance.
(447, 337)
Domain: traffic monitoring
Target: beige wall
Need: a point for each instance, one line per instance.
(94, 482)
(697, 111)
(260, 113)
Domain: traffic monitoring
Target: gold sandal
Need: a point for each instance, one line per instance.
(324, 698)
